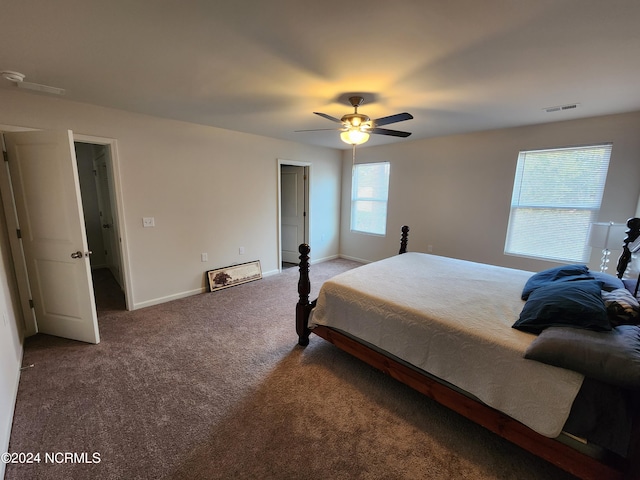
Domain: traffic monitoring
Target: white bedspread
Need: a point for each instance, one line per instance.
(452, 318)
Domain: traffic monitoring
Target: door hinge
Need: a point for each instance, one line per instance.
(19, 233)
(5, 155)
(31, 305)
(304, 214)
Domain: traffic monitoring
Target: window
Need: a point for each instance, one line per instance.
(556, 195)
(369, 196)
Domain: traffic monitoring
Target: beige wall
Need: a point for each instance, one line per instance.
(209, 190)
(454, 192)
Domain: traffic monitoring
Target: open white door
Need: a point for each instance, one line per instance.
(292, 211)
(44, 176)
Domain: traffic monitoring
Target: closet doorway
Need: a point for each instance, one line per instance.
(293, 209)
(100, 216)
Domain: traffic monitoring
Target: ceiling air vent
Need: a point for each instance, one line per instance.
(561, 108)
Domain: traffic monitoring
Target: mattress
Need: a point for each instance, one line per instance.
(452, 318)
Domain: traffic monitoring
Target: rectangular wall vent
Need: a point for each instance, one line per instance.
(560, 108)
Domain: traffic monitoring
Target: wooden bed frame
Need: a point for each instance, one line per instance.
(612, 466)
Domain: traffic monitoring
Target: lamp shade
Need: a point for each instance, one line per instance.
(606, 235)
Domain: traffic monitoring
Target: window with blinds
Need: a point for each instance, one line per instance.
(369, 197)
(556, 195)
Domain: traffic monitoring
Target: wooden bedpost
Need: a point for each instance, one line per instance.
(633, 232)
(404, 239)
(303, 307)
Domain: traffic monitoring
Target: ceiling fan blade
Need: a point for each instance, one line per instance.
(38, 87)
(18, 79)
(393, 133)
(319, 130)
(328, 117)
(398, 117)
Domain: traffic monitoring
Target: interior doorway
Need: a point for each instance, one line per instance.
(43, 204)
(99, 208)
(293, 203)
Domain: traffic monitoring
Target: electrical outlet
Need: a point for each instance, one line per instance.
(204, 257)
(241, 250)
(148, 222)
(429, 248)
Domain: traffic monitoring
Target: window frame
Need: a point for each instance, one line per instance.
(379, 199)
(595, 178)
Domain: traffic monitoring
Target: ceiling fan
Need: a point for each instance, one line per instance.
(18, 79)
(357, 127)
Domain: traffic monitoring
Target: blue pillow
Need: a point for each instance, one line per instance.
(609, 282)
(565, 304)
(563, 273)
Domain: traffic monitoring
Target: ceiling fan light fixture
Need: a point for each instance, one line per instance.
(354, 136)
(355, 127)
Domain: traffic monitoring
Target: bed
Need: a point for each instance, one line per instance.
(458, 332)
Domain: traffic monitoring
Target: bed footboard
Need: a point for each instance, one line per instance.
(304, 306)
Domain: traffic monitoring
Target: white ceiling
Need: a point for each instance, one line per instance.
(263, 66)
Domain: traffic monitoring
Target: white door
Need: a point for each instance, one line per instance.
(292, 185)
(44, 175)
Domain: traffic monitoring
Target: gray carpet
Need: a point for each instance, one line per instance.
(215, 387)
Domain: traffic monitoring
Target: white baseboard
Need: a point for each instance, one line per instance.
(325, 259)
(177, 296)
(168, 298)
(355, 259)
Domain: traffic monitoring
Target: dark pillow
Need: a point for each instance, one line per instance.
(622, 307)
(566, 304)
(609, 282)
(564, 273)
(612, 357)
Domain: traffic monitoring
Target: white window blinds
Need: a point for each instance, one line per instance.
(556, 195)
(369, 196)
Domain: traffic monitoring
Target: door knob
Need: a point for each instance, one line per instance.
(79, 254)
